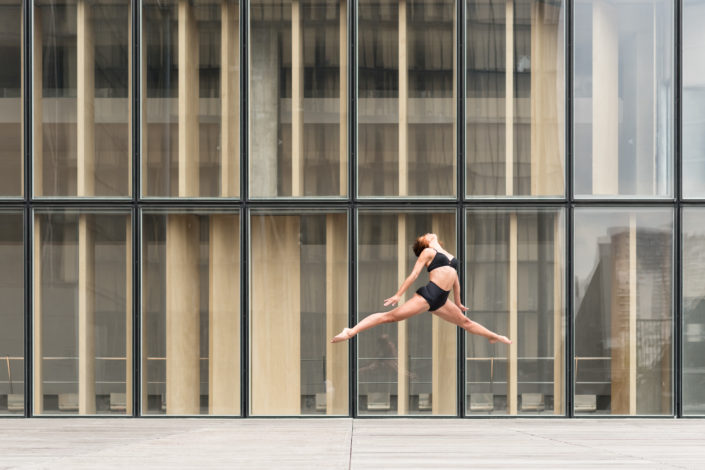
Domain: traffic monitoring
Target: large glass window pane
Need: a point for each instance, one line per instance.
(623, 89)
(515, 96)
(11, 313)
(191, 98)
(298, 94)
(406, 90)
(515, 277)
(191, 312)
(693, 99)
(298, 301)
(408, 367)
(82, 312)
(82, 138)
(623, 317)
(693, 343)
(11, 93)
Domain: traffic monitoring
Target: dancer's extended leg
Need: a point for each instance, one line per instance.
(414, 306)
(451, 313)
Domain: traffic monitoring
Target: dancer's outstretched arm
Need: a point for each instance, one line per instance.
(426, 255)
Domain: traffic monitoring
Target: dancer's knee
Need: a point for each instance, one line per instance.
(389, 317)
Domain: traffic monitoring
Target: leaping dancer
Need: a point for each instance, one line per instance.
(442, 270)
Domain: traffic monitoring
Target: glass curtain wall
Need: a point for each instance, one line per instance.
(693, 99)
(190, 312)
(623, 88)
(82, 312)
(81, 93)
(623, 314)
(12, 386)
(190, 98)
(298, 301)
(515, 281)
(409, 367)
(406, 89)
(515, 98)
(11, 94)
(298, 98)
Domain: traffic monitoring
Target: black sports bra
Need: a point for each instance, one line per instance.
(437, 262)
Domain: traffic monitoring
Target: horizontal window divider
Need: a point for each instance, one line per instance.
(623, 202)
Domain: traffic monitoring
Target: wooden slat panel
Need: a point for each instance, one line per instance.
(85, 98)
(558, 323)
(336, 313)
(128, 316)
(230, 99)
(297, 101)
(509, 98)
(38, 350)
(605, 99)
(224, 318)
(37, 103)
(182, 315)
(188, 102)
(276, 316)
(343, 130)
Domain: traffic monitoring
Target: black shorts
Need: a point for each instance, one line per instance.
(434, 295)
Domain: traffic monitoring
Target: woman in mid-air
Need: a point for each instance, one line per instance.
(442, 270)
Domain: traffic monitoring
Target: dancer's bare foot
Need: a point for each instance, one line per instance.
(342, 336)
(501, 339)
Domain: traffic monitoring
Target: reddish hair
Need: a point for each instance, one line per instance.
(420, 245)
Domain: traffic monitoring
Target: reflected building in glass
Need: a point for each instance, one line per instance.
(196, 195)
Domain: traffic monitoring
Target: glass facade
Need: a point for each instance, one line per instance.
(196, 196)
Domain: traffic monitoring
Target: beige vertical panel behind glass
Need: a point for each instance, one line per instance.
(298, 301)
(515, 98)
(298, 98)
(408, 367)
(191, 313)
(515, 286)
(82, 143)
(406, 88)
(12, 385)
(623, 315)
(693, 267)
(82, 312)
(11, 94)
(191, 101)
(623, 88)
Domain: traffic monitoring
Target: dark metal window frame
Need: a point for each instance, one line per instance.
(351, 204)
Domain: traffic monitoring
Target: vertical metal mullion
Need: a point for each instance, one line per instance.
(352, 207)
(460, 185)
(135, 212)
(27, 212)
(677, 261)
(244, 212)
(569, 333)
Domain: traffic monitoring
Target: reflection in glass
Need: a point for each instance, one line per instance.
(11, 93)
(515, 284)
(82, 310)
(191, 100)
(298, 300)
(623, 88)
(191, 313)
(11, 313)
(623, 311)
(298, 93)
(693, 311)
(81, 111)
(515, 63)
(693, 100)
(407, 367)
(406, 87)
